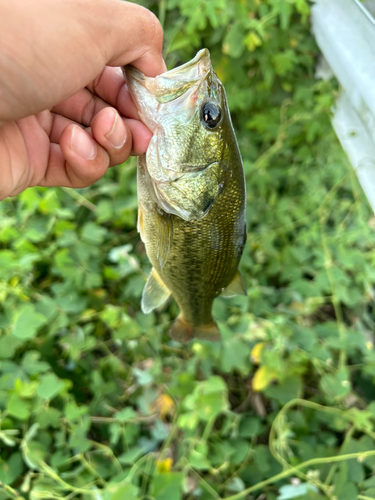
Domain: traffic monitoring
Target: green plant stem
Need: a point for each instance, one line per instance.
(9, 489)
(306, 404)
(322, 486)
(171, 436)
(208, 429)
(107, 451)
(162, 12)
(240, 468)
(135, 469)
(52, 474)
(204, 483)
(282, 415)
(303, 465)
(333, 469)
(335, 300)
(80, 198)
(89, 467)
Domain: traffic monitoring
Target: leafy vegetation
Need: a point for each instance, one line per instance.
(98, 403)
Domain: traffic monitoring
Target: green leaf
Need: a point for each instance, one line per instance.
(93, 233)
(233, 41)
(236, 485)
(143, 377)
(296, 491)
(346, 491)
(131, 455)
(8, 346)
(49, 386)
(290, 388)
(28, 322)
(18, 407)
(235, 355)
(11, 469)
(126, 491)
(167, 486)
(78, 439)
(209, 398)
(32, 365)
(73, 412)
(336, 386)
(198, 457)
(125, 414)
(250, 427)
(48, 417)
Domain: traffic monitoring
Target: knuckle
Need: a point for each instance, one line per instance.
(89, 111)
(96, 82)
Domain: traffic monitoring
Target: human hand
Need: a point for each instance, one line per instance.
(60, 89)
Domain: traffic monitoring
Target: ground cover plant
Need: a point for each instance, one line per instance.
(96, 401)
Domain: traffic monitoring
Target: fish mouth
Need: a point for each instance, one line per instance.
(192, 70)
(175, 82)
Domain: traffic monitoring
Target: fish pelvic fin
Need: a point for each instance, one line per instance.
(183, 331)
(235, 287)
(155, 293)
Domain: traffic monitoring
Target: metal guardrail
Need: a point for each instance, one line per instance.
(367, 10)
(345, 33)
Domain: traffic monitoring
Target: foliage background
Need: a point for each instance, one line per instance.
(98, 403)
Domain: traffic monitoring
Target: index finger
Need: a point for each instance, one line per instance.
(110, 85)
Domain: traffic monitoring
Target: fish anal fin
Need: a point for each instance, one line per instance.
(236, 286)
(155, 293)
(183, 331)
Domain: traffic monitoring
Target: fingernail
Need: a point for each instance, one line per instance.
(82, 144)
(117, 135)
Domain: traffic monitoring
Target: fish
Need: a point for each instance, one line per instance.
(191, 194)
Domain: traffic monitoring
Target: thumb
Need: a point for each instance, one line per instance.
(132, 35)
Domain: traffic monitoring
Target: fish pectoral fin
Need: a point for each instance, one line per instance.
(164, 240)
(155, 293)
(236, 286)
(140, 223)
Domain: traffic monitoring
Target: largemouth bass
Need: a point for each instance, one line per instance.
(191, 194)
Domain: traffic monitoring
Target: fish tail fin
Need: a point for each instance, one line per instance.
(183, 331)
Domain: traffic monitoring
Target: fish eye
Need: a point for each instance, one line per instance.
(211, 115)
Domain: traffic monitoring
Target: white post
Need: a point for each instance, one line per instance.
(345, 33)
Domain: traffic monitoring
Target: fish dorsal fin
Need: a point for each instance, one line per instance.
(155, 293)
(235, 287)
